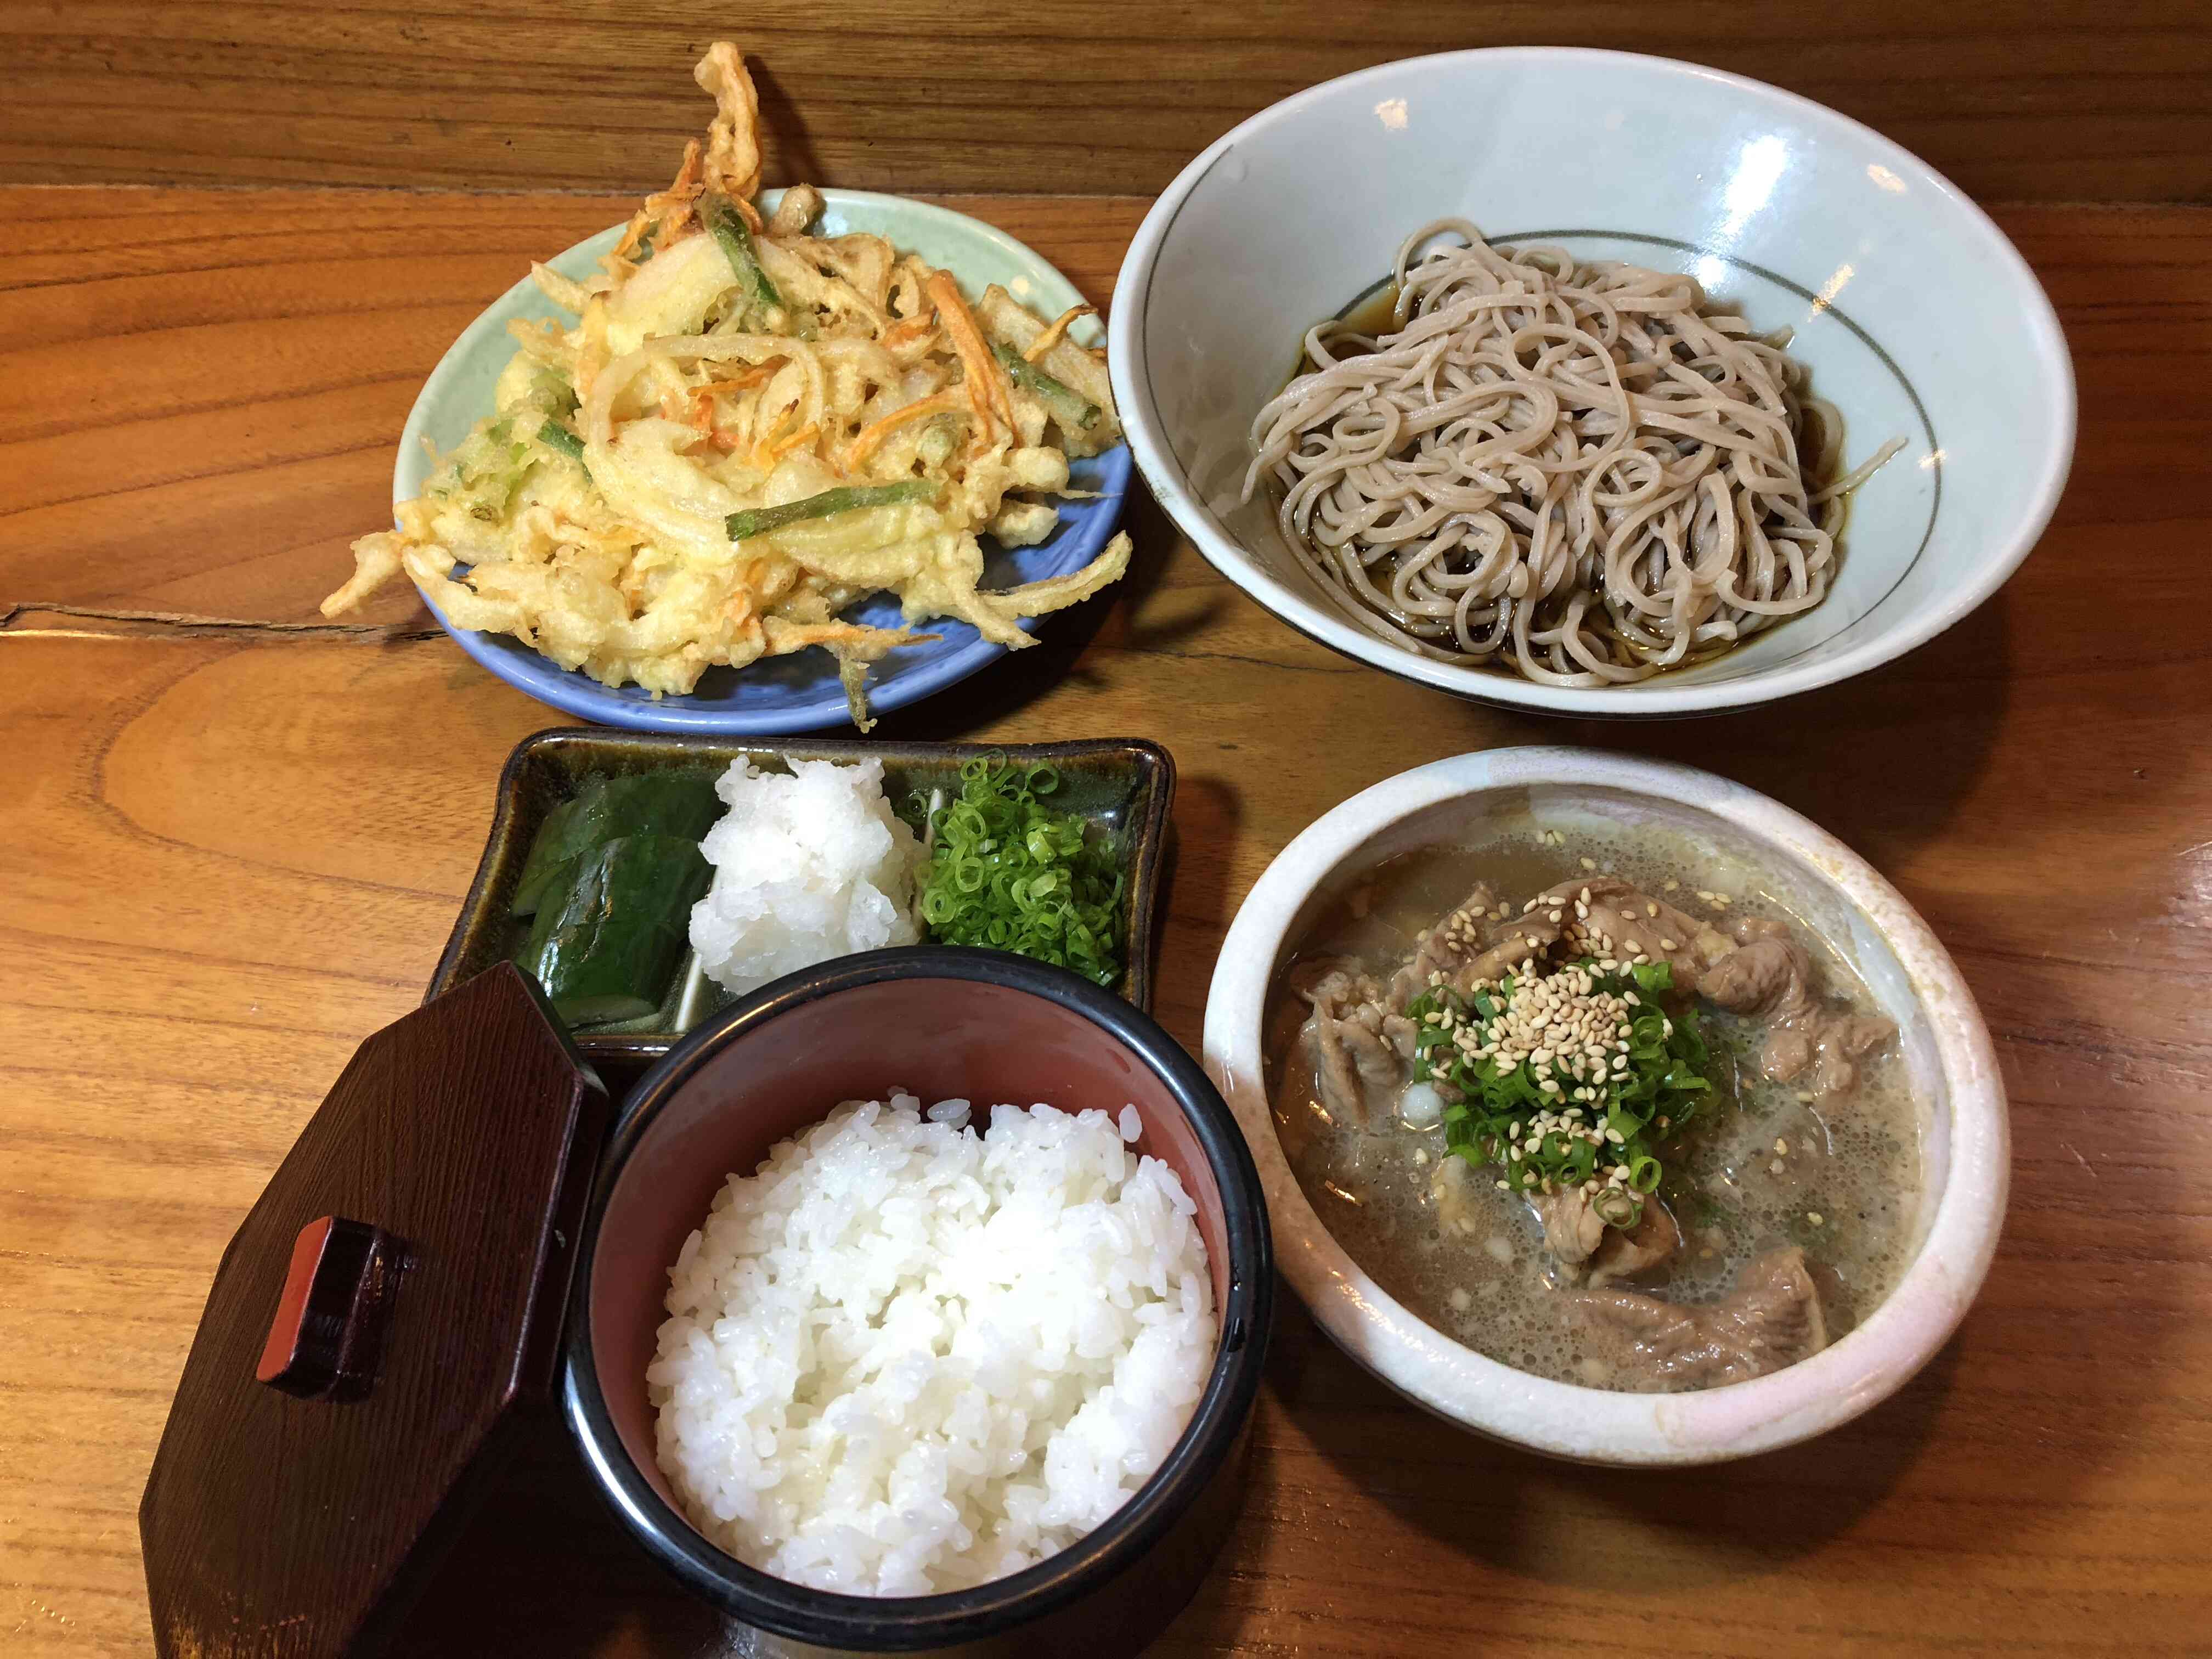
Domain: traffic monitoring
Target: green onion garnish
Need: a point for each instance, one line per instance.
(730, 229)
(847, 498)
(1586, 1116)
(1008, 872)
(1067, 405)
(554, 435)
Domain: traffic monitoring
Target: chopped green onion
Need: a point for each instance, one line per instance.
(1068, 406)
(1617, 1208)
(730, 229)
(554, 435)
(848, 498)
(1008, 872)
(1492, 1117)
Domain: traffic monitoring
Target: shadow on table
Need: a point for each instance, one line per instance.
(783, 117)
(1194, 885)
(543, 1568)
(1505, 1508)
(1002, 690)
(1883, 762)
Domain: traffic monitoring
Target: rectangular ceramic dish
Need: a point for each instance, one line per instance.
(1122, 785)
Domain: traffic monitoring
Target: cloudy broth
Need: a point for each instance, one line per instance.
(1765, 1164)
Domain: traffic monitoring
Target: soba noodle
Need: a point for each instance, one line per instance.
(1583, 470)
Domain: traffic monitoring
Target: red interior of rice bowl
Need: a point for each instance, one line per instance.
(942, 1038)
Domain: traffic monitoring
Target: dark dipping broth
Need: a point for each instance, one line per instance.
(1795, 1197)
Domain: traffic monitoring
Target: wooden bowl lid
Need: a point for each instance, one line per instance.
(389, 1307)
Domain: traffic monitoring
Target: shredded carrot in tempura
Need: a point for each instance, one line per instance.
(783, 447)
(870, 439)
(744, 382)
(1053, 335)
(702, 397)
(987, 386)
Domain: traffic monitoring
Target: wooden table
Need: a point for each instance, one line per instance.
(232, 840)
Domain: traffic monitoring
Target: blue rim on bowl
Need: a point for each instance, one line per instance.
(800, 693)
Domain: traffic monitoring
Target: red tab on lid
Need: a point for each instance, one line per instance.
(308, 1467)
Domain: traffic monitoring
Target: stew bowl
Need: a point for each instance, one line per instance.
(1942, 1044)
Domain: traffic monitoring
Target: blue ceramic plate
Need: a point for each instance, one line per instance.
(798, 693)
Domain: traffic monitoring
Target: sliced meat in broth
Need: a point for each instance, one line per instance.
(1771, 1319)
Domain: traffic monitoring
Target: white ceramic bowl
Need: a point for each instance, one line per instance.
(1918, 318)
(1964, 1143)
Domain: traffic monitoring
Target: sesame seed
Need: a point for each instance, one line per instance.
(1774, 1168)
(1814, 1216)
(1666, 945)
(1782, 1147)
(1651, 909)
(1589, 864)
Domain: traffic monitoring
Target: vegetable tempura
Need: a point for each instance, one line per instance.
(749, 429)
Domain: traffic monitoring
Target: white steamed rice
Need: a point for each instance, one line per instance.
(906, 1358)
(808, 866)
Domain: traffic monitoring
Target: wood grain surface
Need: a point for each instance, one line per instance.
(229, 852)
(2070, 99)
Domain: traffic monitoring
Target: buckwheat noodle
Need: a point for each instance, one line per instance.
(1584, 470)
